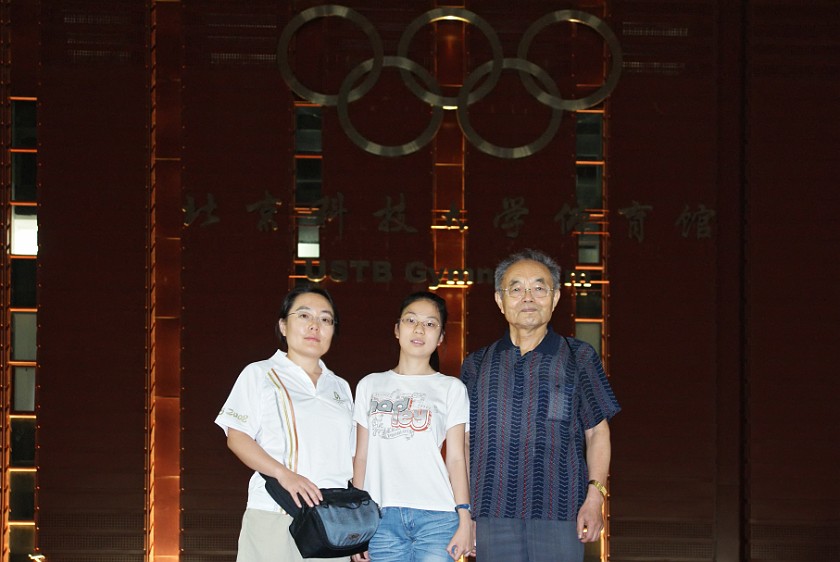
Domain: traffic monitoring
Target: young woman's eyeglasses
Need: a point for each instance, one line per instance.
(306, 317)
(413, 322)
(518, 292)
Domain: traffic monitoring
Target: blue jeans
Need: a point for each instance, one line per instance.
(527, 540)
(413, 535)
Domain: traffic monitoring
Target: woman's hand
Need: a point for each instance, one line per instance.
(461, 543)
(361, 557)
(255, 458)
(298, 485)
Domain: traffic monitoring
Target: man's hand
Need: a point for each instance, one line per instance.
(590, 522)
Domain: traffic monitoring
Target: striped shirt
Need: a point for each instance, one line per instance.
(528, 415)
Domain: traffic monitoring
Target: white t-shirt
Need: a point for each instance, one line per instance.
(407, 417)
(325, 440)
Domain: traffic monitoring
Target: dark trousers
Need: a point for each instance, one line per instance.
(527, 540)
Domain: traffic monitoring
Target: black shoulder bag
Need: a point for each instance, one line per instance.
(341, 525)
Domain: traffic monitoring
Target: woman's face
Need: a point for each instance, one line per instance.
(308, 327)
(419, 329)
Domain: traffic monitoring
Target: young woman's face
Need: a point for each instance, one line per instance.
(419, 329)
(308, 327)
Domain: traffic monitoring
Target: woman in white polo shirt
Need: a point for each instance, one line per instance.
(402, 418)
(290, 417)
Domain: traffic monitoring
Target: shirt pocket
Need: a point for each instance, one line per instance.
(560, 402)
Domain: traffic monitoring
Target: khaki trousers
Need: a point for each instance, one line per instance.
(265, 537)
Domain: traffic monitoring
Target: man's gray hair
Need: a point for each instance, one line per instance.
(532, 255)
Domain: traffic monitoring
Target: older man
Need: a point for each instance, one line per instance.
(539, 445)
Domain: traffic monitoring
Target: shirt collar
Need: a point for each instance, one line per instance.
(282, 360)
(549, 345)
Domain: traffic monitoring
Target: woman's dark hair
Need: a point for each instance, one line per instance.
(427, 296)
(289, 302)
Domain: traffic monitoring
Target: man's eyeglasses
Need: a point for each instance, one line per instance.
(306, 317)
(518, 292)
(413, 322)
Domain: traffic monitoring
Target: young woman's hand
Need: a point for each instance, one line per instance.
(461, 543)
(361, 557)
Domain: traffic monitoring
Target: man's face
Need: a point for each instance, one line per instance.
(520, 299)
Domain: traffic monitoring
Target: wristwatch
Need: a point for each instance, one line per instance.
(466, 506)
(600, 487)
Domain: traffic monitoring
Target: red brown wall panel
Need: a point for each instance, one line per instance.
(792, 80)
(92, 193)
(235, 267)
(663, 280)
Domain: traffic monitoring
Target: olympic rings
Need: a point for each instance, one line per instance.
(323, 12)
(466, 16)
(589, 20)
(425, 137)
(521, 65)
(546, 93)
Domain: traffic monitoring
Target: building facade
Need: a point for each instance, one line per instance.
(171, 168)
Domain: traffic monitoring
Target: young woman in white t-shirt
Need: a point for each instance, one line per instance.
(402, 417)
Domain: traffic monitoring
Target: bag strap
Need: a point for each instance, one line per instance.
(288, 416)
(280, 495)
(272, 485)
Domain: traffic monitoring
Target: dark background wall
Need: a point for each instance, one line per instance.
(93, 129)
(720, 349)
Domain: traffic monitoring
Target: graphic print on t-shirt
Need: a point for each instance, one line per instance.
(398, 414)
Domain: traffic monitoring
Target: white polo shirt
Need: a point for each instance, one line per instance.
(326, 437)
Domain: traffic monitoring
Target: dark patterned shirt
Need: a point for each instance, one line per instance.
(528, 415)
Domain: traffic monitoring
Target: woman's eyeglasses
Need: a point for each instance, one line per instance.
(413, 322)
(306, 317)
